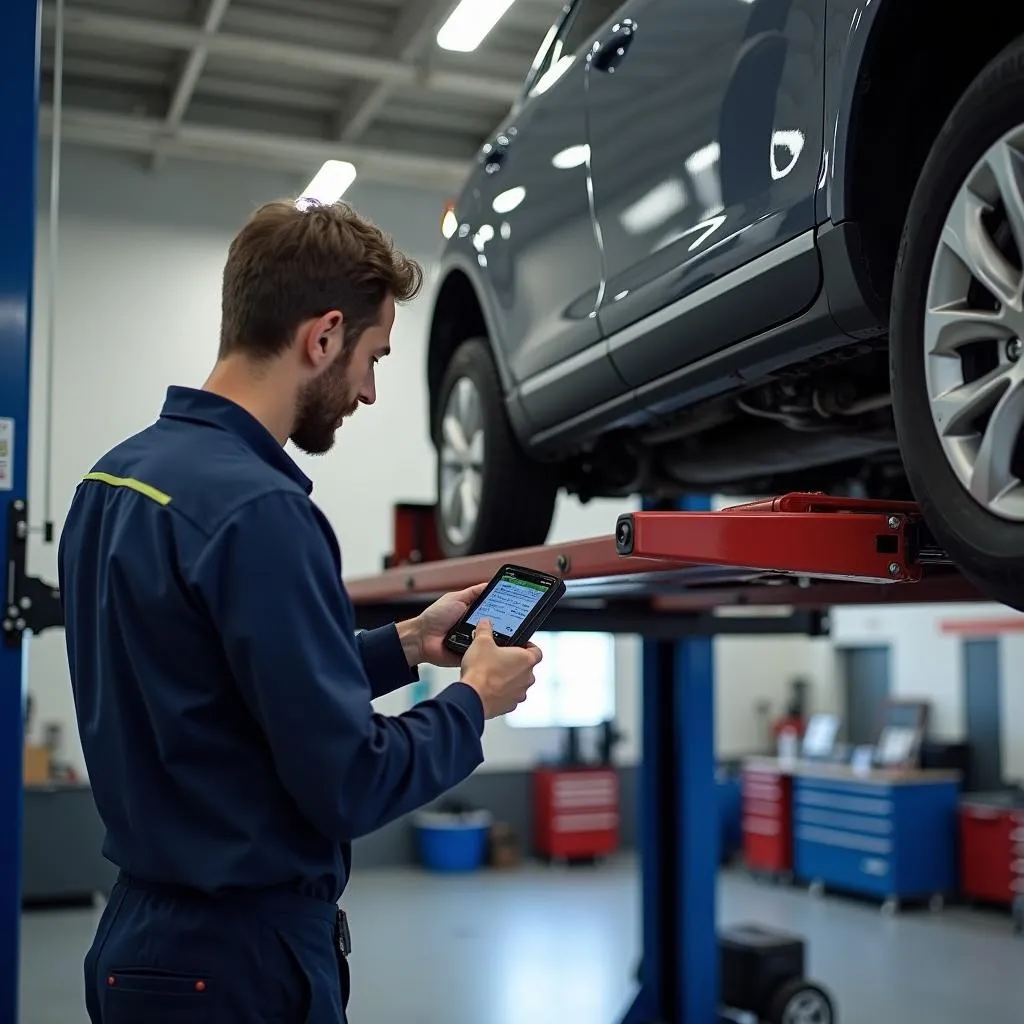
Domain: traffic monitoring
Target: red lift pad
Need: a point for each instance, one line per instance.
(800, 534)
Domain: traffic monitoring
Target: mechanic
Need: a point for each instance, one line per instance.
(222, 693)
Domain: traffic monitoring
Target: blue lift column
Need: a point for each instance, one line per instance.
(679, 830)
(19, 95)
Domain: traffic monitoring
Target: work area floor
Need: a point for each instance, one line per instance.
(559, 946)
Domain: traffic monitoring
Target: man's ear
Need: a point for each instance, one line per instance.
(322, 340)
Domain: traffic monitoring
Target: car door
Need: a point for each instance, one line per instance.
(536, 240)
(705, 129)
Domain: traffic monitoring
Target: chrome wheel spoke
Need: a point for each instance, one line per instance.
(454, 436)
(957, 411)
(966, 235)
(1007, 166)
(993, 477)
(948, 328)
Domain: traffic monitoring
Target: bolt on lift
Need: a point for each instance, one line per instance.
(666, 575)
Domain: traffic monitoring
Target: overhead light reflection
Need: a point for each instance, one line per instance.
(702, 166)
(507, 201)
(571, 156)
(704, 230)
(553, 74)
(791, 144)
(663, 201)
(483, 235)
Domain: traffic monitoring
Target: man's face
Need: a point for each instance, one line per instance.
(328, 399)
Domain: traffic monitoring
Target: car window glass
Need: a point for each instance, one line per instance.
(574, 33)
(590, 15)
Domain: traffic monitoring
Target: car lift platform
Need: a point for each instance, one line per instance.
(777, 566)
(804, 550)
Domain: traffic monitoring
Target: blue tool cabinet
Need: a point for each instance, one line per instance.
(889, 835)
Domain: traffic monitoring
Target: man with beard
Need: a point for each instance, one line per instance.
(223, 696)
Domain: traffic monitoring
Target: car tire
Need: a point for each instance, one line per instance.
(954, 443)
(515, 495)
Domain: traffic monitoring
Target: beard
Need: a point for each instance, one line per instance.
(323, 404)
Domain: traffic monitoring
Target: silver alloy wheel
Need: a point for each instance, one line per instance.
(462, 460)
(974, 330)
(808, 1007)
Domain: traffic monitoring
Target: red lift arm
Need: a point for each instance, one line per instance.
(802, 549)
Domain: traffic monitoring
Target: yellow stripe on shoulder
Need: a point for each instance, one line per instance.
(132, 484)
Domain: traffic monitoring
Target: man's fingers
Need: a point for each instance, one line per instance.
(535, 653)
(470, 594)
(483, 627)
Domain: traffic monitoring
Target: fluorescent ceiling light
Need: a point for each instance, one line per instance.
(571, 156)
(507, 201)
(468, 25)
(329, 184)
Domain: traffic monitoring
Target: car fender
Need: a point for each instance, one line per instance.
(459, 256)
(851, 26)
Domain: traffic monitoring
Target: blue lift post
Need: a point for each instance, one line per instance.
(19, 95)
(679, 831)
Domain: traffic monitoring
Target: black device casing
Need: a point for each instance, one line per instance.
(461, 634)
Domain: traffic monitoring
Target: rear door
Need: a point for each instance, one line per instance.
(705, 125)
(536, 242)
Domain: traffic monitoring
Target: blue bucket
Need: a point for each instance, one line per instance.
(452, 842)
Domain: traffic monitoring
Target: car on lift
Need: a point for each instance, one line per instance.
(744, 248)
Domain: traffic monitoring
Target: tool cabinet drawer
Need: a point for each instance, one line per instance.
(987, 853)
(844, 866)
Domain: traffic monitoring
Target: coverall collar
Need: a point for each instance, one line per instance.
(204, 407)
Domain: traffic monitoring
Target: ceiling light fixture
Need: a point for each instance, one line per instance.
(329, 184)
(469, 24)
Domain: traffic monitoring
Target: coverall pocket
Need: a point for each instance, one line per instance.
(147, 995)
(287, 987)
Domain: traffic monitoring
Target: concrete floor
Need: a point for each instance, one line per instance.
(559, 947)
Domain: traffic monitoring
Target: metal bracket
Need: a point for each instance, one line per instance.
(29, 602)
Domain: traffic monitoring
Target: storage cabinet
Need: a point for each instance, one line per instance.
(991, 850)
(767, 818)
(575, 812)
(889, 835)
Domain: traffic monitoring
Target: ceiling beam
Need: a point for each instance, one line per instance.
(185, 88)
(195, 63)
(151, 32)
(128, 133)
(406, 43)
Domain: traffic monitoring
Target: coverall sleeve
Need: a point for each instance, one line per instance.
(384, 660)
(287, 626)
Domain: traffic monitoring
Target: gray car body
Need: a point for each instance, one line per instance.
(705, 243)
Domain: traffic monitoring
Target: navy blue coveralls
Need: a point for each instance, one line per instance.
(223, 699)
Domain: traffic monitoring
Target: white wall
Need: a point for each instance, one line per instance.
(140, 259)
(927, 663)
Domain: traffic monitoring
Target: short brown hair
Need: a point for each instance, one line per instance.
(295, 261)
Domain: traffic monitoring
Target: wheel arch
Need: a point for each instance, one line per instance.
(459, 313)
(892, 105)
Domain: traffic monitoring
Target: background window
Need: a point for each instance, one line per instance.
(575, 682)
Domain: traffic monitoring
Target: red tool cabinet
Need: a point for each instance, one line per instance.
(575, 812)
(991, 851)
(767, 818)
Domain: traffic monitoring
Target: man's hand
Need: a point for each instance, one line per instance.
(500, 675)
(423, 637)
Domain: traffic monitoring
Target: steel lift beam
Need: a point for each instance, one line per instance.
(19, 89)
(668, 576)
